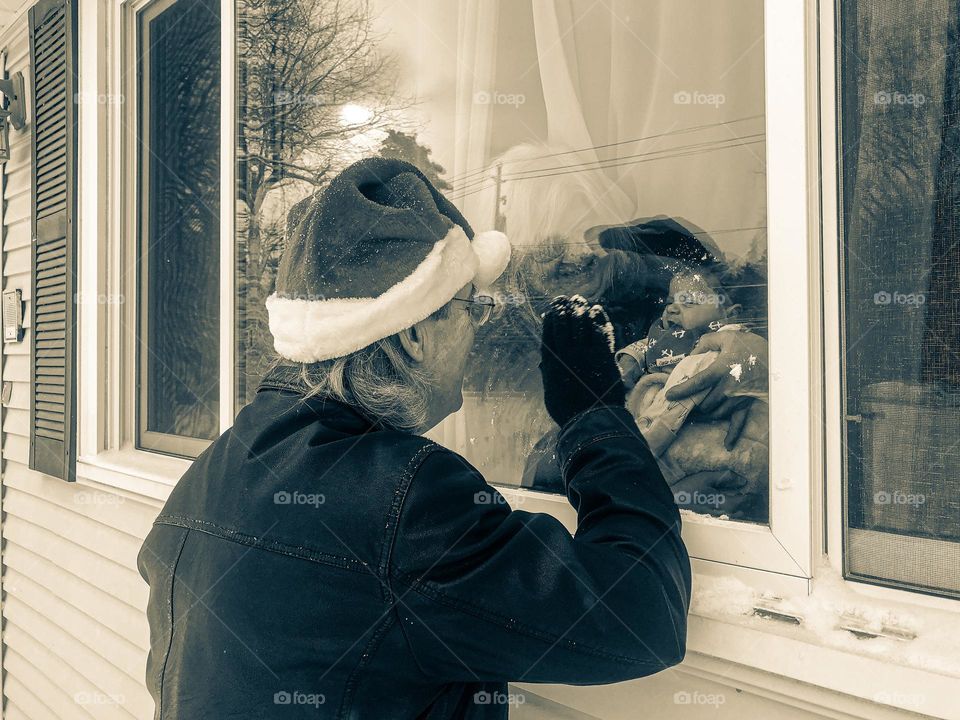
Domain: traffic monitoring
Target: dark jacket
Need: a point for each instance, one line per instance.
(312, 564)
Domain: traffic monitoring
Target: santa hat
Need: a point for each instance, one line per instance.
(377, 251)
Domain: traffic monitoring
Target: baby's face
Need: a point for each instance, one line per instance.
(693, 303)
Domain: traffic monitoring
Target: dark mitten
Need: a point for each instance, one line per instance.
(577, 364)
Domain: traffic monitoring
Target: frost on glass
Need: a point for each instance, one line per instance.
(616, 148)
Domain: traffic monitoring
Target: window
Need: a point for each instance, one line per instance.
(532, 119)
(179, 226)
(900, 112)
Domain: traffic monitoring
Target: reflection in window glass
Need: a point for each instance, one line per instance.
(621, 165)
(179, 128)
(901, 229)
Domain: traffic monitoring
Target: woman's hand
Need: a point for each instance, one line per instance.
(577, 365)
(738, 374)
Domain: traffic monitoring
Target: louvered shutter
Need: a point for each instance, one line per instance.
(53, 59)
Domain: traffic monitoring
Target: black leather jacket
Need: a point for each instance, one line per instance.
(311, 564)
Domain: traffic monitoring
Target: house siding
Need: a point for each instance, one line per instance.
(75, 635)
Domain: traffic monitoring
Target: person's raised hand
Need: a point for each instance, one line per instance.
(738, 374)
(577, 364)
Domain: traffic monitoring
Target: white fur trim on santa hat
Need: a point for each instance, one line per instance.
(493, 250)
(312, 330)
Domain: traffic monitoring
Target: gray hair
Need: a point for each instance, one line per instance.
(382, 381)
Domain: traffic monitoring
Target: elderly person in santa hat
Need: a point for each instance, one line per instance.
(323, 559)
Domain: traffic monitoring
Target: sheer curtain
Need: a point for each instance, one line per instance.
(665, 97)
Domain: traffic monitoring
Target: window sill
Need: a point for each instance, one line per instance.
(143, 476)
(814, 667)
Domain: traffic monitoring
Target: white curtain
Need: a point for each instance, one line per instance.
(666, 98)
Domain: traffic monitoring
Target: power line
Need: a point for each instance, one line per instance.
(600, 163)
(615, 163)
(693, 128)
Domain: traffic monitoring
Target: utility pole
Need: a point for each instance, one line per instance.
(499, 221)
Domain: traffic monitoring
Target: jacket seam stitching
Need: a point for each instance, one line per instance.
(365, 658)
(161, 674)
(393, 515)
(484, 614)
(400, 497)
(279, 548)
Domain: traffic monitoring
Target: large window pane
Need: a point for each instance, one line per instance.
(901, 255)
(571, 126)
(179, 153)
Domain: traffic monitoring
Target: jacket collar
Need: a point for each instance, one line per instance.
(286, 378)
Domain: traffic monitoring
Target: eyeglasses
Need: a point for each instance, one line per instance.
(480, 308)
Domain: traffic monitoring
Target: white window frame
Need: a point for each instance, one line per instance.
(784, 546)
(109, 167)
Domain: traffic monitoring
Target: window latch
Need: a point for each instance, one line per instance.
(773, 607)
(861, 628)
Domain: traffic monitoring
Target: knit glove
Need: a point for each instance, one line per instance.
(576, 363)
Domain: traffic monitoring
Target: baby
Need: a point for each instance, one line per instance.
(698, 304)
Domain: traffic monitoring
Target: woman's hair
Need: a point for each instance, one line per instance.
(381, 381)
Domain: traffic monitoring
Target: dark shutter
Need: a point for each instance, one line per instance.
(53, 59)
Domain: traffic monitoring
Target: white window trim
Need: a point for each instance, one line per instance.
(107, 367)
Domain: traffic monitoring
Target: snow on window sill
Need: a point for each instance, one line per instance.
(904, 673)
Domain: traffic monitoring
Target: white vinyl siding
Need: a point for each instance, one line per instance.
(74, 617)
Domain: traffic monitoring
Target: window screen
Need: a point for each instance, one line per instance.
(900, 96)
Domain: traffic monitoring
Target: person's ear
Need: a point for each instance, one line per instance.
(412, 341)
(734, 311)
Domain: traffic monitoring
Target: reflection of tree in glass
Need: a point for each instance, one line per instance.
(404, 146)
(300, 65)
